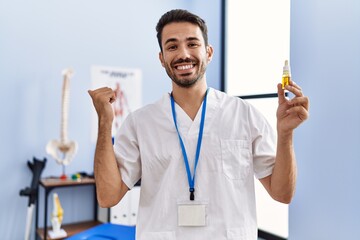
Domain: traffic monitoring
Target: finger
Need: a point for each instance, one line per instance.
(292, 83)
(112, 98)
(304, 101)
(101, 90)
(300, 111)
(105, 91)
(295, 90)
(107, 94)
(281, 94)
(103, 94)
(90, 92)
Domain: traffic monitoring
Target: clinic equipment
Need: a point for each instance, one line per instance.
(63, 150)
(36, 167)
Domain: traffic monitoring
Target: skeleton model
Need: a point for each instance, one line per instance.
(63, 150)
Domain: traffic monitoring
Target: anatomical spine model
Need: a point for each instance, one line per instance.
(63, 150)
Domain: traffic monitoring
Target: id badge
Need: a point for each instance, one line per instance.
(191, 215)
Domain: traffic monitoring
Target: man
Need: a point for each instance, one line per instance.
(196, 150)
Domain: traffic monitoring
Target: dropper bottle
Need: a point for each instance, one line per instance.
(286, 75)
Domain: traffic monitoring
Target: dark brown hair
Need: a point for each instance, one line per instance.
(179, 15)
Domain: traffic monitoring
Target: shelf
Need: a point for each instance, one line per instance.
(55, 182)
(51, 183)
(71, 229)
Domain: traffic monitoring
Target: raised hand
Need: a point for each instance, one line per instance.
(102, 99)
(291, 112)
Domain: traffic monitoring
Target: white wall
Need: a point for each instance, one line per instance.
(40, 38)
(325, 56)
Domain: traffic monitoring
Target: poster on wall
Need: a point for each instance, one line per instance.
(126, 82)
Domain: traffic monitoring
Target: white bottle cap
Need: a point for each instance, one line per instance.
(286, 68)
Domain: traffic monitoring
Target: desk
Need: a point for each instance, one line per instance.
(51, 183)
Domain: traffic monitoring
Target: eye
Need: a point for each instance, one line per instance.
(171, 47)
(193, 45)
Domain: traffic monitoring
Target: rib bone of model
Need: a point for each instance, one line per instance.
(63, 150)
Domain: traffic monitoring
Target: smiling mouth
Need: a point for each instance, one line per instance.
(185, 67)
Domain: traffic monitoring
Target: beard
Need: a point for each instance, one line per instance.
(186, 80)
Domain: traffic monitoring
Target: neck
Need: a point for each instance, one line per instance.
(190, 99)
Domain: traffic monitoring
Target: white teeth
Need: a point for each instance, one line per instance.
(184, 67)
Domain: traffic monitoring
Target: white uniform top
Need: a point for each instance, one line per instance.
(237, 143)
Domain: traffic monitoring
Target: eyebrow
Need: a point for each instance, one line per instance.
(170, 40)
(176, 40)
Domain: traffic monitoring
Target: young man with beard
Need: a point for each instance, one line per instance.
(197, 149)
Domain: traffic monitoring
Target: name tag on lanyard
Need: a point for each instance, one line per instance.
(191, 215)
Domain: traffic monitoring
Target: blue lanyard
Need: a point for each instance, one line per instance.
(191, 179)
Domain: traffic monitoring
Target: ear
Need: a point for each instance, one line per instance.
(161, 58)
(209, 52)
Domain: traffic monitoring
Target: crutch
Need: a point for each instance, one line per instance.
(36, 167)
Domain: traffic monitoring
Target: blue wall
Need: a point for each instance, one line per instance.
(325, 57)
(40, 38)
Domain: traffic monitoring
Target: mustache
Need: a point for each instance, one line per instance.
(186, 60)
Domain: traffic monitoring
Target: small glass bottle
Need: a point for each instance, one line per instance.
(286, 74)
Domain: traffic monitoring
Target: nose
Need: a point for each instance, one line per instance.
(184, 52)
